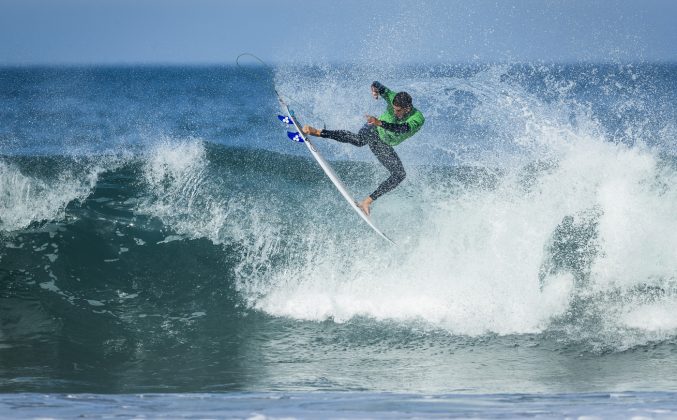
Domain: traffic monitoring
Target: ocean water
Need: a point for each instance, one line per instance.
(165, 249)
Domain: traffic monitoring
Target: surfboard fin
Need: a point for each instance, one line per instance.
(295, 136)
(285, 119)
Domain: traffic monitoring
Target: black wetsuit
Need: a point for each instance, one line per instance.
(383, 152)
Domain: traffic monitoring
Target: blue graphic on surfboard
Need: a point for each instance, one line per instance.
(298, 136)
(285, 119)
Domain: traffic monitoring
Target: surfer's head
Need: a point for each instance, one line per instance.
(402, 104)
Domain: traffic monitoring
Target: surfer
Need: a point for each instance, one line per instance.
(399, 122)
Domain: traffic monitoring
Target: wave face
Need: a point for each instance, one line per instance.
(159, 233)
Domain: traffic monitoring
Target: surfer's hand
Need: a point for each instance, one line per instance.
(371, 120)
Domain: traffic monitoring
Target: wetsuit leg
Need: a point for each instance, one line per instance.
(383, 152)
(345, 137)
(388, 158)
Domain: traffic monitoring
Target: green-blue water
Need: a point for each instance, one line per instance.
(159, 233)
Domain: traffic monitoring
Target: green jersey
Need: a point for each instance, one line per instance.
(414, 119)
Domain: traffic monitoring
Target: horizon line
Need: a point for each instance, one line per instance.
(82, 64)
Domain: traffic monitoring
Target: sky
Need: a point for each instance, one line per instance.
(412, 31)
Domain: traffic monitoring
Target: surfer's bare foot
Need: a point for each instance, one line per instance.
(364, 205)
(311, 130)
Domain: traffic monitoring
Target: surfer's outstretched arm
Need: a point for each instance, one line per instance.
(377, 89)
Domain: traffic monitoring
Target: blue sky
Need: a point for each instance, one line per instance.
(416, 31)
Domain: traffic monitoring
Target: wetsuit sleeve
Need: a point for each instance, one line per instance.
(380, 88)
(396, 128)
(384, 92)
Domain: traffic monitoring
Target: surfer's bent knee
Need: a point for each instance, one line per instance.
(401, 175)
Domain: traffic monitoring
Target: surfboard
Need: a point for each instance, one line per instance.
(290, 119)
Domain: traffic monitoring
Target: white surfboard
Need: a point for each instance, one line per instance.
(298, 136)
